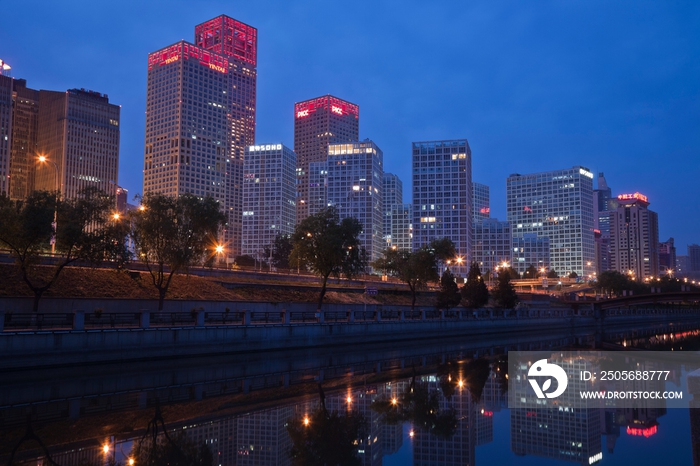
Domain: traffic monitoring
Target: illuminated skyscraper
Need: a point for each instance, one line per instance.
(558, 205)
(5, 131)
(268, 197)
(392, 198)
(634, 237)
(23, 153)
(200, 116)
(319, 123)
(442, 196)
(79, 136)
(355, 173)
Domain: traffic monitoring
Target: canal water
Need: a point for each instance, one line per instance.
(418, 403)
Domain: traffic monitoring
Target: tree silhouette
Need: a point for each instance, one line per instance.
(448, 295)
(504, 292)
(475, 294)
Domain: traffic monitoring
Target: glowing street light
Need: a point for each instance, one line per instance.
(306, 421)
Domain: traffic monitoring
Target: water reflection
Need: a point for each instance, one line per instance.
(439, 404)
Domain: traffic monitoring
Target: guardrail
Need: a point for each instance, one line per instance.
(80, 320)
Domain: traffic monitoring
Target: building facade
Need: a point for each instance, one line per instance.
(392, 198)
(667, 257)
(318, 123)
(481, 204)
(401, 227)
(442, 196)
(355, 173)
(79, 136)
(25, 129)
(558, 205)
(200, 117)
(268, 197)
(530, 249)
(694, 257)
(634, 237)
(603, 203)
(491, 244)
(5, 131)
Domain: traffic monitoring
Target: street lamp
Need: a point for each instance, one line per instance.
(44, 159)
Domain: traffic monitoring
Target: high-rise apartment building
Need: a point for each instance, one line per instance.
(558, 205)
(79, 136)
(355, 173)
(634, 237)
(481, 204)
(269, 184)
(491, 244)
(200, 117)
(25, 130)
(318, 123)
(442, 196)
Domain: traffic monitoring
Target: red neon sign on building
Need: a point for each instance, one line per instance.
(335, 105)
(632, 197)
(642, 432)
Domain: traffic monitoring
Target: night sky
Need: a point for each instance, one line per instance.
(533, 86)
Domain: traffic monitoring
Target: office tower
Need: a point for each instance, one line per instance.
(355, 173)
(442, 196)
(392, 197)
(401, 227)
(481, 207)
(682, 266)
(268, 197)
(491, 244)
(634, 237)
(667, 257)
(79, 136)
(23, 151)
(603, 203)
(530, 249)
(200, 117)
(558, 205)
(694, 257)
(319, 123)
(5, 131)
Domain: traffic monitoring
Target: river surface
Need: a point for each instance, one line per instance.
(428, 403)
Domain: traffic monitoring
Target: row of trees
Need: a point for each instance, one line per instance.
(171, 234)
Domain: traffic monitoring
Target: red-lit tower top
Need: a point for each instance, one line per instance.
(334, 104)
(227, 36)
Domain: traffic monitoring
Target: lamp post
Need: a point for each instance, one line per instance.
(44, 159)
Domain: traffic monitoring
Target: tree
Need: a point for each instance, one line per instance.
(172, 233)
(246, 261)
(475, 294)
(573, 275)
(280, 250)
(443, 249)
(552, 274)
(82, 232)
(513, 274)
(415, 268)
(504, 293)
(612, 282)
(448, 295)
(530, 272)
(328, 247)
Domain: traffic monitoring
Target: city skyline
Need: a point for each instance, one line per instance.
(609, 87)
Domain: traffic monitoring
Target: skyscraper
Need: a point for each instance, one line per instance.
(603, 203)
(558, 205)
(491, 244)
(442, 196)
(79, 136)
(23, 153)
(355, 173)
(634, 237)
(319, 123)
(667, 257)
(5, 131)
(694, 257)
(268, 196)
(481, 208)
(392, 197)
(200, 117)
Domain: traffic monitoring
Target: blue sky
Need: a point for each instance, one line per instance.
(533, 86)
